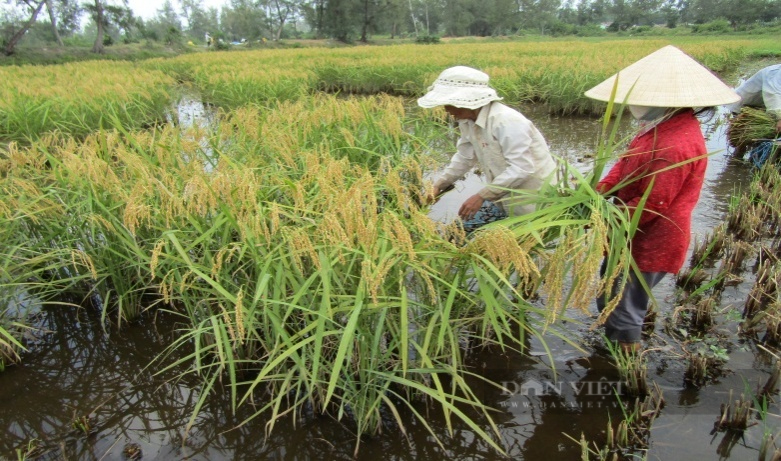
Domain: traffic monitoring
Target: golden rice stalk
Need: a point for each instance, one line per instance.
(374, 275)
(226, 318)
(167, 287)
(556, 270)
(198, 196)
(499, 245)
(223, 256)
(154, 260)
(587, 283)
(24, 197)
(298, 239)
(80, 258)
(137, 210)
(399, 235)
(12, 157)
(241, 329)
(184, 284)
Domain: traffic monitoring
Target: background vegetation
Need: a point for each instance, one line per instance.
(98, 24)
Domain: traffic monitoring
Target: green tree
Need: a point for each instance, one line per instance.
(338, 19)
(279, 13)
(748, 11)
(167, 15)
(628, 13)
(105, 15)
(53, 21)
(702, 11)
(502, 15)
(672, 11)
(395, 18)
(243, 19)
(29, 10)
(199, 20)
(313, 12)
(166, 26)
(460, 16)
(538, 14)
(69, 15)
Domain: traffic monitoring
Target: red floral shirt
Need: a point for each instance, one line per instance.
(662, 238)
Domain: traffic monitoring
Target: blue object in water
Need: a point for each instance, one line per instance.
(488, 213)
(761, 152)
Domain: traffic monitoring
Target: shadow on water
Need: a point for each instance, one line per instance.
(80, 370)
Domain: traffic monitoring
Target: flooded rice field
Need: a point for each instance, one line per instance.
(85, 393)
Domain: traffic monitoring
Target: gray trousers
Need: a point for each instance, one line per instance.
(625, 323)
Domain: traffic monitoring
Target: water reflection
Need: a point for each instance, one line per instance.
(191, 112)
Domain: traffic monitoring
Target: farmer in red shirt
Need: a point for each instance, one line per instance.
(669, 156)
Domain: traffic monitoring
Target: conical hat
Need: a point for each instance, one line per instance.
(666, 78)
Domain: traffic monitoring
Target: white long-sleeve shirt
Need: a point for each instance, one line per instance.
(762, 89)
(511, 152)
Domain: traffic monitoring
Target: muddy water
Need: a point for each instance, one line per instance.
(80, 370)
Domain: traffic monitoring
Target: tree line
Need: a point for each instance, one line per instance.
(108, 21)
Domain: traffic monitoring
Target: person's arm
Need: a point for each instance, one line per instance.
(750, 93)
(461, 162)
(771, 93)
(613, 177)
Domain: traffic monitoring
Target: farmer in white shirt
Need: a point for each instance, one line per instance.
(509, 149)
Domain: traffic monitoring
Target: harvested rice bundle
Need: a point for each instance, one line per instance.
(750, 126)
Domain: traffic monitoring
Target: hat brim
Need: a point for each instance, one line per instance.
(467, 98)
(666, 78)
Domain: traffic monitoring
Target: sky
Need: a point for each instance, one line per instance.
(148, 9)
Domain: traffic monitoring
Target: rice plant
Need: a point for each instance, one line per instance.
(629, 439)
(291, 242)
(631, 368)
(84, 424)
(735, 415)
(305, 272)
(768, 447)
(696, 318)
(31, 450)
(770, 388)
(555, 74)
(132, 451)
(692, 279)
(763, 292)
(704, 254)
(705, 358)
(79, 98)
(744, 219)
(582, 236)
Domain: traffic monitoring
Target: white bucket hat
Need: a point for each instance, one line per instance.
(666, 78)
(459, 86)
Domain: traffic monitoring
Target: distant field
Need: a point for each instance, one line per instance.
(77, 98)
